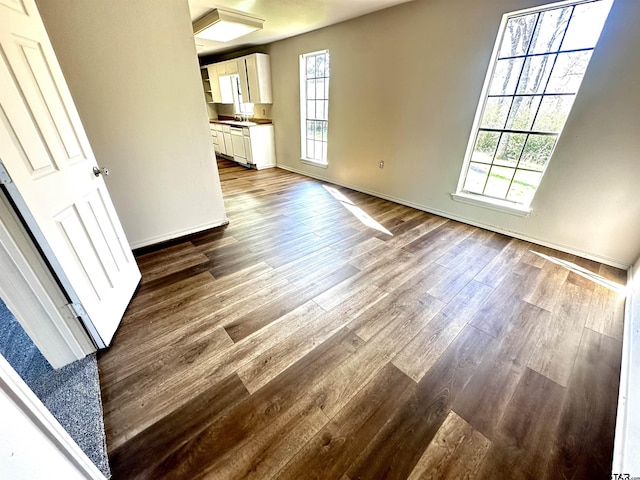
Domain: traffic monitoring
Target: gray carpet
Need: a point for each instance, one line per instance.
(72, 393)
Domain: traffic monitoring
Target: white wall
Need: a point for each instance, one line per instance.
(132, 70)
(405, 84)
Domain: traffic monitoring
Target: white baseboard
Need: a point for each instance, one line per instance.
(563, 248)
(177, 234)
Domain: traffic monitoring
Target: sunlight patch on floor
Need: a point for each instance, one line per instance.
(589, 275)
(356, 211)
(337, 194)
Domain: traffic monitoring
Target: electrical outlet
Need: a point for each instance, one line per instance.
(381, 164)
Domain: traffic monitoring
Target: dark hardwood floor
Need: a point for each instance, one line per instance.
(329, 334)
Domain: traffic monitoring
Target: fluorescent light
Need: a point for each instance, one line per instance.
(223, 26)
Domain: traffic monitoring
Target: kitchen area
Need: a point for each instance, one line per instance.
(239, 96)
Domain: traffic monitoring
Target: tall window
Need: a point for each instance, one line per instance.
(538, 64)
(314, 105)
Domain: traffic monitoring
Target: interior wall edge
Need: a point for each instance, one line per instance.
(538, 241)
(138, 89)
(627, 432)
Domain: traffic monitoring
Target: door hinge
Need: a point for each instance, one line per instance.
(5, 178)
(77, 309)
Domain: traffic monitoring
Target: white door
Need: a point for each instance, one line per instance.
(46, 153)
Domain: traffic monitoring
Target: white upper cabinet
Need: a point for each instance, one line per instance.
(253, 72)
(226, 89)
(257, 78)
(230, 67)
(214, 84)
(220, 78)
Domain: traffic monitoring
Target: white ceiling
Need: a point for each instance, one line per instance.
(283, 18)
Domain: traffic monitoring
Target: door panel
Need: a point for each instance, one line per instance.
(85, 258)
(247, 149)
(238, 148)
(47, 154)
(252, 79)
(17, 5)
(37, 158)
(45, 102)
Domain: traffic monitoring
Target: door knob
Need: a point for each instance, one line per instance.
(98, 171)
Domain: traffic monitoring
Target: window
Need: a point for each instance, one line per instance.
(314, 105)
(539, 61)
(240, 107)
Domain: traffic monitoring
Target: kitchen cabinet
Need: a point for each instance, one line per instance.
(225, 83)
(253, 73)
(214, 137)
(262, 151)
(237, 141)
(217, 81)
(255, 80)
(247, 148)
(253, 146)
(258, 146)
(221, 146)
(228, 144)
(204, 73)
(213, 84)
(230, 67)
(224, 79)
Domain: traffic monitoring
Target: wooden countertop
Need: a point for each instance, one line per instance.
(231, 121)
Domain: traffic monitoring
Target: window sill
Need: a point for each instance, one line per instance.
(314, 163)
(492, 204)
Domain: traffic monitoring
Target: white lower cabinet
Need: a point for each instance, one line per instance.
(219, 144)
(228, 145)
(253, 146)
(237, 140)
(247, 148)
(214, 137)
(260, 146)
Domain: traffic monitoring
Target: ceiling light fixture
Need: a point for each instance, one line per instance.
(223, 25)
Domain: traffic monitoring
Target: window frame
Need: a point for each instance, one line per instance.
(304, 114)
(240, 107)
(494, 203)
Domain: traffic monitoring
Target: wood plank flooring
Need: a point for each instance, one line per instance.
(305, 340)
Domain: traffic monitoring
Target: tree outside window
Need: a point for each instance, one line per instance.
(539, 65)
(314, 105)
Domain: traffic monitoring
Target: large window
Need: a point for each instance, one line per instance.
(537, 66)
(314, 105)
